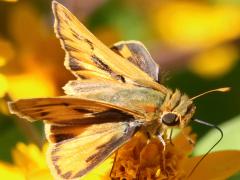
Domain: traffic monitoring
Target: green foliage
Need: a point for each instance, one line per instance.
(10, 135)
(230, 140)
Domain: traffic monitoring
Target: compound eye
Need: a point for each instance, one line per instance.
(170, 119)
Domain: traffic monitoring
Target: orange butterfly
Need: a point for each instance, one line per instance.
(115, 95)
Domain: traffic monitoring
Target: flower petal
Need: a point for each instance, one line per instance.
(217, 165)
(8, 171)
(181, 141)
(101, 172)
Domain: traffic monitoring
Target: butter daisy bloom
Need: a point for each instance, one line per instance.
(29, 162)
(142, 158)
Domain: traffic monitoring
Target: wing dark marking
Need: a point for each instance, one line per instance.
(69, 110)
(100, 64)
(73, 64)
(118, 135)
(136, 53)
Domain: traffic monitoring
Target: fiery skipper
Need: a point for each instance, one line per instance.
(115, 95)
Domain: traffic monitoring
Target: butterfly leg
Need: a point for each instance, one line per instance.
(170, 137)
(160, 137)
(162, 141)
(190, 140)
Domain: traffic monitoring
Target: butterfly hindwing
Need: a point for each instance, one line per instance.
(85, 146)
(87, 57)
(138, 54)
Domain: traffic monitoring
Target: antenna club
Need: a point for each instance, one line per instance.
(224, 89)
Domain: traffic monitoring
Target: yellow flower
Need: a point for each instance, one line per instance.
(196, 24)
(31, 61)
(139, 158)
(29, 163)
(203, 27)
(144, 159)
(215, 62)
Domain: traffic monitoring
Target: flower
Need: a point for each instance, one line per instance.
(142, 158)
(209, 30)
(31, 60)
(216, 62)
(29, 163)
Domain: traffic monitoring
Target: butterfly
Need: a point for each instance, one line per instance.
(116, 94)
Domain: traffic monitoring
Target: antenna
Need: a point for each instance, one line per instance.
(224, 89)
(210, 125)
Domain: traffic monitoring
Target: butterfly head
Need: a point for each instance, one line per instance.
(177, 110)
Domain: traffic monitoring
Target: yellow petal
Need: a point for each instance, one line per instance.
(8, 171)
(6, 51)
(196, 24)
(215, 62)
(40, 174)
(102, 172)
(3, 85)
(216, 166)
(29, 85)
(181, 141)
(29, 157)
(26, 36)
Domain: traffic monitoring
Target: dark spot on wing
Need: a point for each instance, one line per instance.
(74, 65)
(105, 150)
(90, 44)
(70, 48)
(81, 76)
(118, 77)
(90, 158)
(44, 113)
(105, 67)
(67, 175)
(65, 104)
(76, 35)
(66, 16)
(100, 63)
(54, 104)
(81, 110)
(61, 137)
(55, 158)
(117, 49)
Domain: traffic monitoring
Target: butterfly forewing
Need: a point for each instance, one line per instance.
(87, 57)
(65, 110)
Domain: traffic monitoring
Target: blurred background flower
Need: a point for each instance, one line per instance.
(196, 42)
(29, 163)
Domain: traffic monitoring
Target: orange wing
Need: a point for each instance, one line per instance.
(78, 149)
(67, 110)
(137, 53)
(87, 57)
(82, 133)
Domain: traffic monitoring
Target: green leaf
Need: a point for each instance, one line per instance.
(230, 141)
